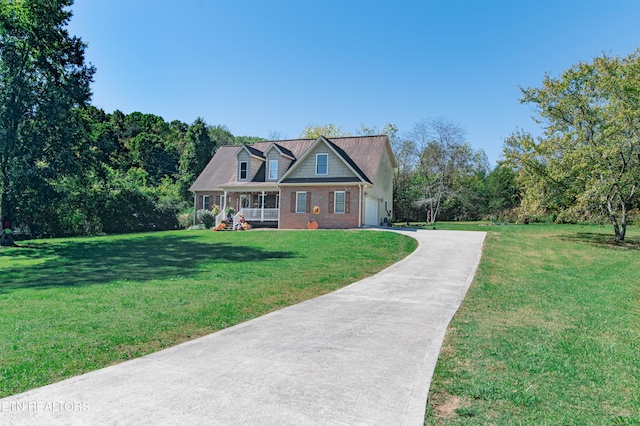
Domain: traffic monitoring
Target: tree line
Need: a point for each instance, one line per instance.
(440, 176)
(69, 168)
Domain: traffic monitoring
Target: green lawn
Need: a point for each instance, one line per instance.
(68, 306)
(549, 332)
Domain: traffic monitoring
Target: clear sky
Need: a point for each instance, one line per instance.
(260, 66)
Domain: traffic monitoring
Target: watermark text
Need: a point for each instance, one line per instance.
(36, 406)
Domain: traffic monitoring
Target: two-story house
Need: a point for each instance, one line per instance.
(337, 182)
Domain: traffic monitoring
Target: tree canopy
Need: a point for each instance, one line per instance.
(328, 130)
(69, 168)
(586, 165)
(43, 80)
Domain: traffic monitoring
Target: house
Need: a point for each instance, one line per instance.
(338, 182)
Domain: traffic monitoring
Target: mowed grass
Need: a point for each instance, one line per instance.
(68, 306)
(549, 332)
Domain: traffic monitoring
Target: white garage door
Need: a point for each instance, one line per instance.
(371, 212)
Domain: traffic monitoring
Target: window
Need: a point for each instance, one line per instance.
(322, 161)
(301, 202)
(222, 202)
(205, 202)
(273, 169)
(339, 202)
(243, 170)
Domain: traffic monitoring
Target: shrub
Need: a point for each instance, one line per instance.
(207, 218)
(185, 219)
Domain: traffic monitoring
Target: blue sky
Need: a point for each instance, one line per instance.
(259, 67)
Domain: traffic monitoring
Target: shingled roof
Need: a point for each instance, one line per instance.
(362, 153)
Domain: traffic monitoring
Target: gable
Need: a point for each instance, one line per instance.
(336, 166)
(362, 154)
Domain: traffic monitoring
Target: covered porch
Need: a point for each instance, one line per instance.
(255, 204)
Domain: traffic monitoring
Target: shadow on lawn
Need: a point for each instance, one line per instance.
(601, 240)
(78, 262)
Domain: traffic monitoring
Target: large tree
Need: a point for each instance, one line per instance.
(444, 155)
(43, 79)
(586, 165)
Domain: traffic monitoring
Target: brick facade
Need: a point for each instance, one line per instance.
(320, 197)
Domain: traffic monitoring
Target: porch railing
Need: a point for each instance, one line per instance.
(257, 214)
(221, 217)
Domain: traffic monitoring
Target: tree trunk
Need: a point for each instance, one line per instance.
(623, 223)
(5, 209)
(618, 229)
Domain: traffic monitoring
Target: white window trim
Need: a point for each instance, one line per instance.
(246, 170)
(304, 210)
(273, 169)
(205, 202)
(335, 202)
(327, 165)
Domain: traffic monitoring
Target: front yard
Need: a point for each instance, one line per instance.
(69, 306)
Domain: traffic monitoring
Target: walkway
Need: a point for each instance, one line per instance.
(364, 354)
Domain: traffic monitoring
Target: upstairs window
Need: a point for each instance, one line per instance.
(243, 170)
(273, 169)
(322, 162)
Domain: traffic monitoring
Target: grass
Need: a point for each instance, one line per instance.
(69, 306)
(549, 332)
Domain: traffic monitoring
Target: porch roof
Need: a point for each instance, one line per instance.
(249, 187)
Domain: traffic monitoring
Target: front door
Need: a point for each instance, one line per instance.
(244, 201)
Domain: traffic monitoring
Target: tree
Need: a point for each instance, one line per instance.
(328, 131)
(503, 191)
(276, 135)
(43, 79)
(586, 165)
(198, 150)
(444, 154)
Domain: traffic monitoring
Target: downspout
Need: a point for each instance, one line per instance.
(279, 201)
(360, 208)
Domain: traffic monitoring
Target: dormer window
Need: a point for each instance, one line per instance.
(322, 164)
(273, 169)
(243, 170)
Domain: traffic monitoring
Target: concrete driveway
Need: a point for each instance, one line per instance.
(364, 354)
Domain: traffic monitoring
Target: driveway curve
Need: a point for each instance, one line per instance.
(364, 354)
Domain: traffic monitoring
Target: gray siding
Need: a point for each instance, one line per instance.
(244, 156)
(336, 166)
(383, 186)
(255, 165)
(273, 154)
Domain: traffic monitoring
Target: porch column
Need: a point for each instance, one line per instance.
(262, 208)
(225, 201)
(195, 207)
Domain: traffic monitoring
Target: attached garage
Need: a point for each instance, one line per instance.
(371, 212)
